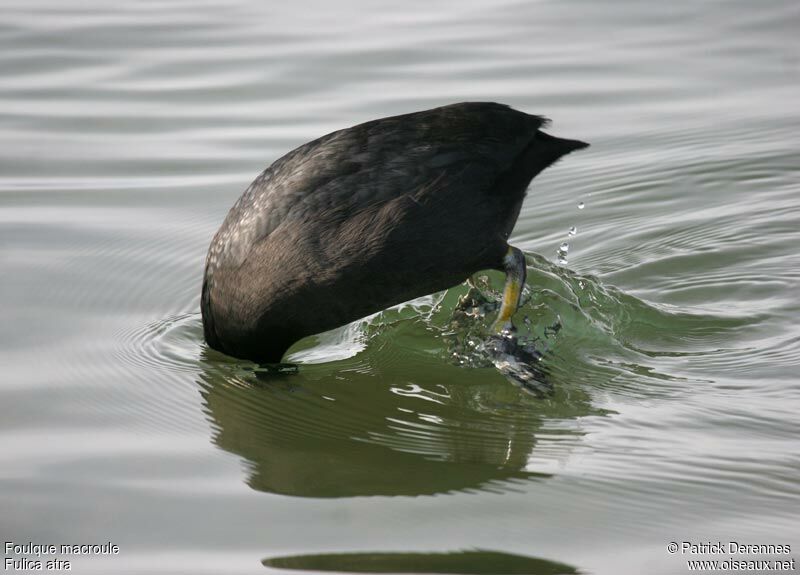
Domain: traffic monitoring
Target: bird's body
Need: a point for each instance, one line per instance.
(368, 217)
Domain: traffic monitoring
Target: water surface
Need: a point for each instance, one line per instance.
(128, 130)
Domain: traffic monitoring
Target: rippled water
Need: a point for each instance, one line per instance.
(128, 129)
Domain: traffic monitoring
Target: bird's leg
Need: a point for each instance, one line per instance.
(514, 265)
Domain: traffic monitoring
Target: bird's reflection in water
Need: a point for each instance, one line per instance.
(360, 427)
(467, 562)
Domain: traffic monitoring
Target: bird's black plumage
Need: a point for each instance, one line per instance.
(368, 217)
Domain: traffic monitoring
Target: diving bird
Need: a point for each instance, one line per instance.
(371, 216)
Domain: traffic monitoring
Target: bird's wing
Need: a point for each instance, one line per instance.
(351, 169)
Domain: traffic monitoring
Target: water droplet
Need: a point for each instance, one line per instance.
(561, 252)
(581, 205)
(573, 230)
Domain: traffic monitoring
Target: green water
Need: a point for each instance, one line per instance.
(128, 130)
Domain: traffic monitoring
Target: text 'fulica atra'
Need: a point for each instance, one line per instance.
(371, 216)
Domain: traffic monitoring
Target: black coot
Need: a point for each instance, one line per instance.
(371, 216)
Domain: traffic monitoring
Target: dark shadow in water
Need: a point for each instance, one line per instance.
(356, 429)
(475, 562)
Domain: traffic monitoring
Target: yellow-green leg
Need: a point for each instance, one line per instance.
(514, 265)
